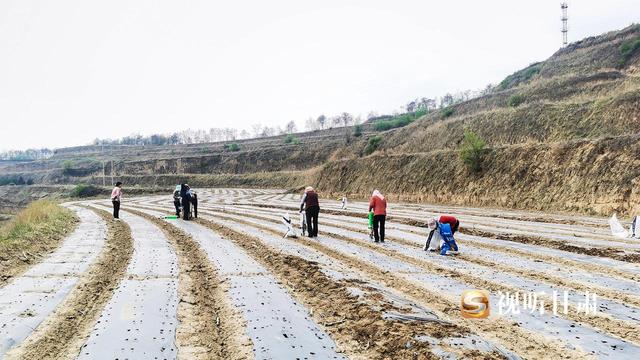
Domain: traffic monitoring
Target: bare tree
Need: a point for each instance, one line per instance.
(311, 125)
(257, 130)
(322, 121)
(291, 127)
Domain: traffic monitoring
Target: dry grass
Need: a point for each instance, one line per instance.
(30, 234)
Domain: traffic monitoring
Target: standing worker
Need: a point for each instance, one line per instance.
(176, 200)
(311, 206)
(194, 202)
(186, 201)
(116, 196)
(379, 206)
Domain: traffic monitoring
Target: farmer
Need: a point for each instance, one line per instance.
(344, 203)
(194, 202)
(441, 237)
(116, 196)
(176, 200)
(451, 220)
(378, 204)
(186, 201)
(311, 206)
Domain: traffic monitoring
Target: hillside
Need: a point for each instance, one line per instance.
(562, 135)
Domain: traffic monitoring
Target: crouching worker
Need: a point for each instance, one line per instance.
(441, 235)
(176, 200)
(286, 221)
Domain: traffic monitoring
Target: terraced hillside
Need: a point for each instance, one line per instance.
(229, 286)
(562, 135)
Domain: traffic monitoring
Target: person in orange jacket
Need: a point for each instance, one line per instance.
(379, 206)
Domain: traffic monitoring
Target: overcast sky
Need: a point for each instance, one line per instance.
(71, 71)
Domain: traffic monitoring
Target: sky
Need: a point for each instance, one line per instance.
(73, 71)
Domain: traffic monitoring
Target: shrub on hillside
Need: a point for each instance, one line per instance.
(520, 76)
(232, 147)
(357, 130)
(290, 139)
(398, 121)
(627, 50)
(472, 151)
(446, 112)
(515, 100)
(83, 190)
(372, 144)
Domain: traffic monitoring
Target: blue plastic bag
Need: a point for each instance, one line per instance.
(447, 236)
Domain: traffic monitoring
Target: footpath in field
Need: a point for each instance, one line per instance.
(278, 326)
(27, 300)
(139, 322)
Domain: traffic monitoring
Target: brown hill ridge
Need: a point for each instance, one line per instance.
(570, 142)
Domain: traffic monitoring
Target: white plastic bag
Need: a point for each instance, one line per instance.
(436, 242)
(617, 229)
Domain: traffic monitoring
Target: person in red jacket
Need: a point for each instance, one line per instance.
(379, 206)
(311, 206)
(446, 219)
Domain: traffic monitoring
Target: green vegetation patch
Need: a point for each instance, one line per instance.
(232, 147)
(83, 190)
(520, 76)
(398, 121)
(447, 112)
(627, 50)
(290, 139)
(515, 100)
(372, 144)
(357, 130)
(472, 151)
(15, 180)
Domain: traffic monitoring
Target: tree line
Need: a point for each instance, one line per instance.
(322, 122)
(26, 155)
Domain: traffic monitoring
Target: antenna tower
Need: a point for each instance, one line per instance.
(565, 30)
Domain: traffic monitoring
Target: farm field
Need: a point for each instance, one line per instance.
(228, 285)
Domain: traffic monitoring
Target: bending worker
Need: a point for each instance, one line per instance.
(441, 235)
(311, 206)
(379, 206)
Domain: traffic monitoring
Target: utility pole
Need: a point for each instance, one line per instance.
(564, 6)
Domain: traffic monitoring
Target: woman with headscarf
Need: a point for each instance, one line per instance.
(379, 206)
(311, 206)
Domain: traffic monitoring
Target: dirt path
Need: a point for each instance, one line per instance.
(140, 320)
(210, 327)
(277, 326)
